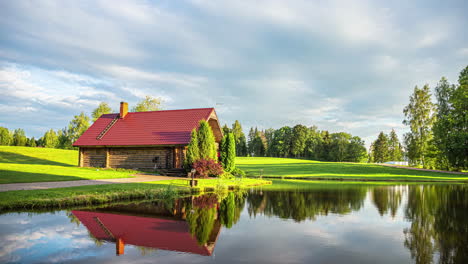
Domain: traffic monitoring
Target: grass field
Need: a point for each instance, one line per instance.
(25, 164)
(308, 169)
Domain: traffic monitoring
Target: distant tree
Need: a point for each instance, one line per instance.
(419, 116)
(269, 134)
(313, 143)
(356, 151)
(148, 104)
(325, 146)
(281, 144)
(381, 148)
(394, 151)
(6, 138)
(103, 108)
(370, 155)
(241, 142)
(258, 145)
(19, 137)
(50, 139)
(31, 142)
(206, 142)
(228, 152)
(226, 129)
(300, 134)
(339, 145)
(77, 126)
(64, 141)
(193, 153)
(250, 142)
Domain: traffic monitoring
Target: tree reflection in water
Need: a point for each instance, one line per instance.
(301, 205)
(439, 223)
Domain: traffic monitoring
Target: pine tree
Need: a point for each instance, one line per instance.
(395, 152)
(206, 142)
(230, 149)
(223, 150)
(381, 148)
(241, 142)
(192, 150)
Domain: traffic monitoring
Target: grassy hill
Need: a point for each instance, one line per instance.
(298, 168)
(25, 164)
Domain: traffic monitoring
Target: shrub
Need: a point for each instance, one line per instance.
(207, 168)
(226, 175)
(238, 173)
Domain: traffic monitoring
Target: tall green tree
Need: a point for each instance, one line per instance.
(50, 139)
(103, 108)
(300, 133)
(6, 138)
(394, 147)
(442, 125)
(241, 142)
(77, 126)
(193, 153)
(19, 137)
(228, 152)
(419, 117)
(380, 148)
(206, 141)
(458, 118)
(64, 141)
(148, 104)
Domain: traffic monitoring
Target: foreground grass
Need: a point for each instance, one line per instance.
(99, 194)
(25, 164)
(309, 169)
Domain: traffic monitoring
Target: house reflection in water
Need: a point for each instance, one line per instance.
(150, 225)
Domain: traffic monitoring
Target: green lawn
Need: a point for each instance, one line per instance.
(298, 168)
(25, 164)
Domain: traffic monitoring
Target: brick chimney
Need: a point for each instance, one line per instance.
(123, 109)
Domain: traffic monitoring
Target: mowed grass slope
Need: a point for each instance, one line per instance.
(298, 168)
(26, 164)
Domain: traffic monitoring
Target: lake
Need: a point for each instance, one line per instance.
(289, 222)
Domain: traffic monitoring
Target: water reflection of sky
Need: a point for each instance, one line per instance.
(361, 236)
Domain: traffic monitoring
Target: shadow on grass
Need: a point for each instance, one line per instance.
(9, 157)
(8, 176)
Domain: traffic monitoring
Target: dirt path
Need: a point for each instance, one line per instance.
(420, 169)
(63, 184)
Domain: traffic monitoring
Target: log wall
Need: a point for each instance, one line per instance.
(130, 158)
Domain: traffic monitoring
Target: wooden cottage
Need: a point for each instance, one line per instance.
(154, 139)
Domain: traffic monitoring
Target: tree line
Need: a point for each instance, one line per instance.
(438, 136)
(65, 137)
(298, 142)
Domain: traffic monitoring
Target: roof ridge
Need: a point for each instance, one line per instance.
(173, 110)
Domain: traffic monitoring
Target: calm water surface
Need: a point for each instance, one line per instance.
(335, 223)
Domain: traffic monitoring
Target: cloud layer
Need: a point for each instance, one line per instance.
(341, 66)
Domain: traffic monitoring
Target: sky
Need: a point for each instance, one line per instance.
(340, 65)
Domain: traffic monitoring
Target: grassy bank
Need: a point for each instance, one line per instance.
(99, 194)
(309, 169)
(25, 164)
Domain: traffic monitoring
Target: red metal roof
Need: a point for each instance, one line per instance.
(166, 234)
(166, 127)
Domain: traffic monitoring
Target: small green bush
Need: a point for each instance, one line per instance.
(238, 173)
(226, 175)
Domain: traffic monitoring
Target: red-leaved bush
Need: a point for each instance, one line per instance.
(207, 168)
